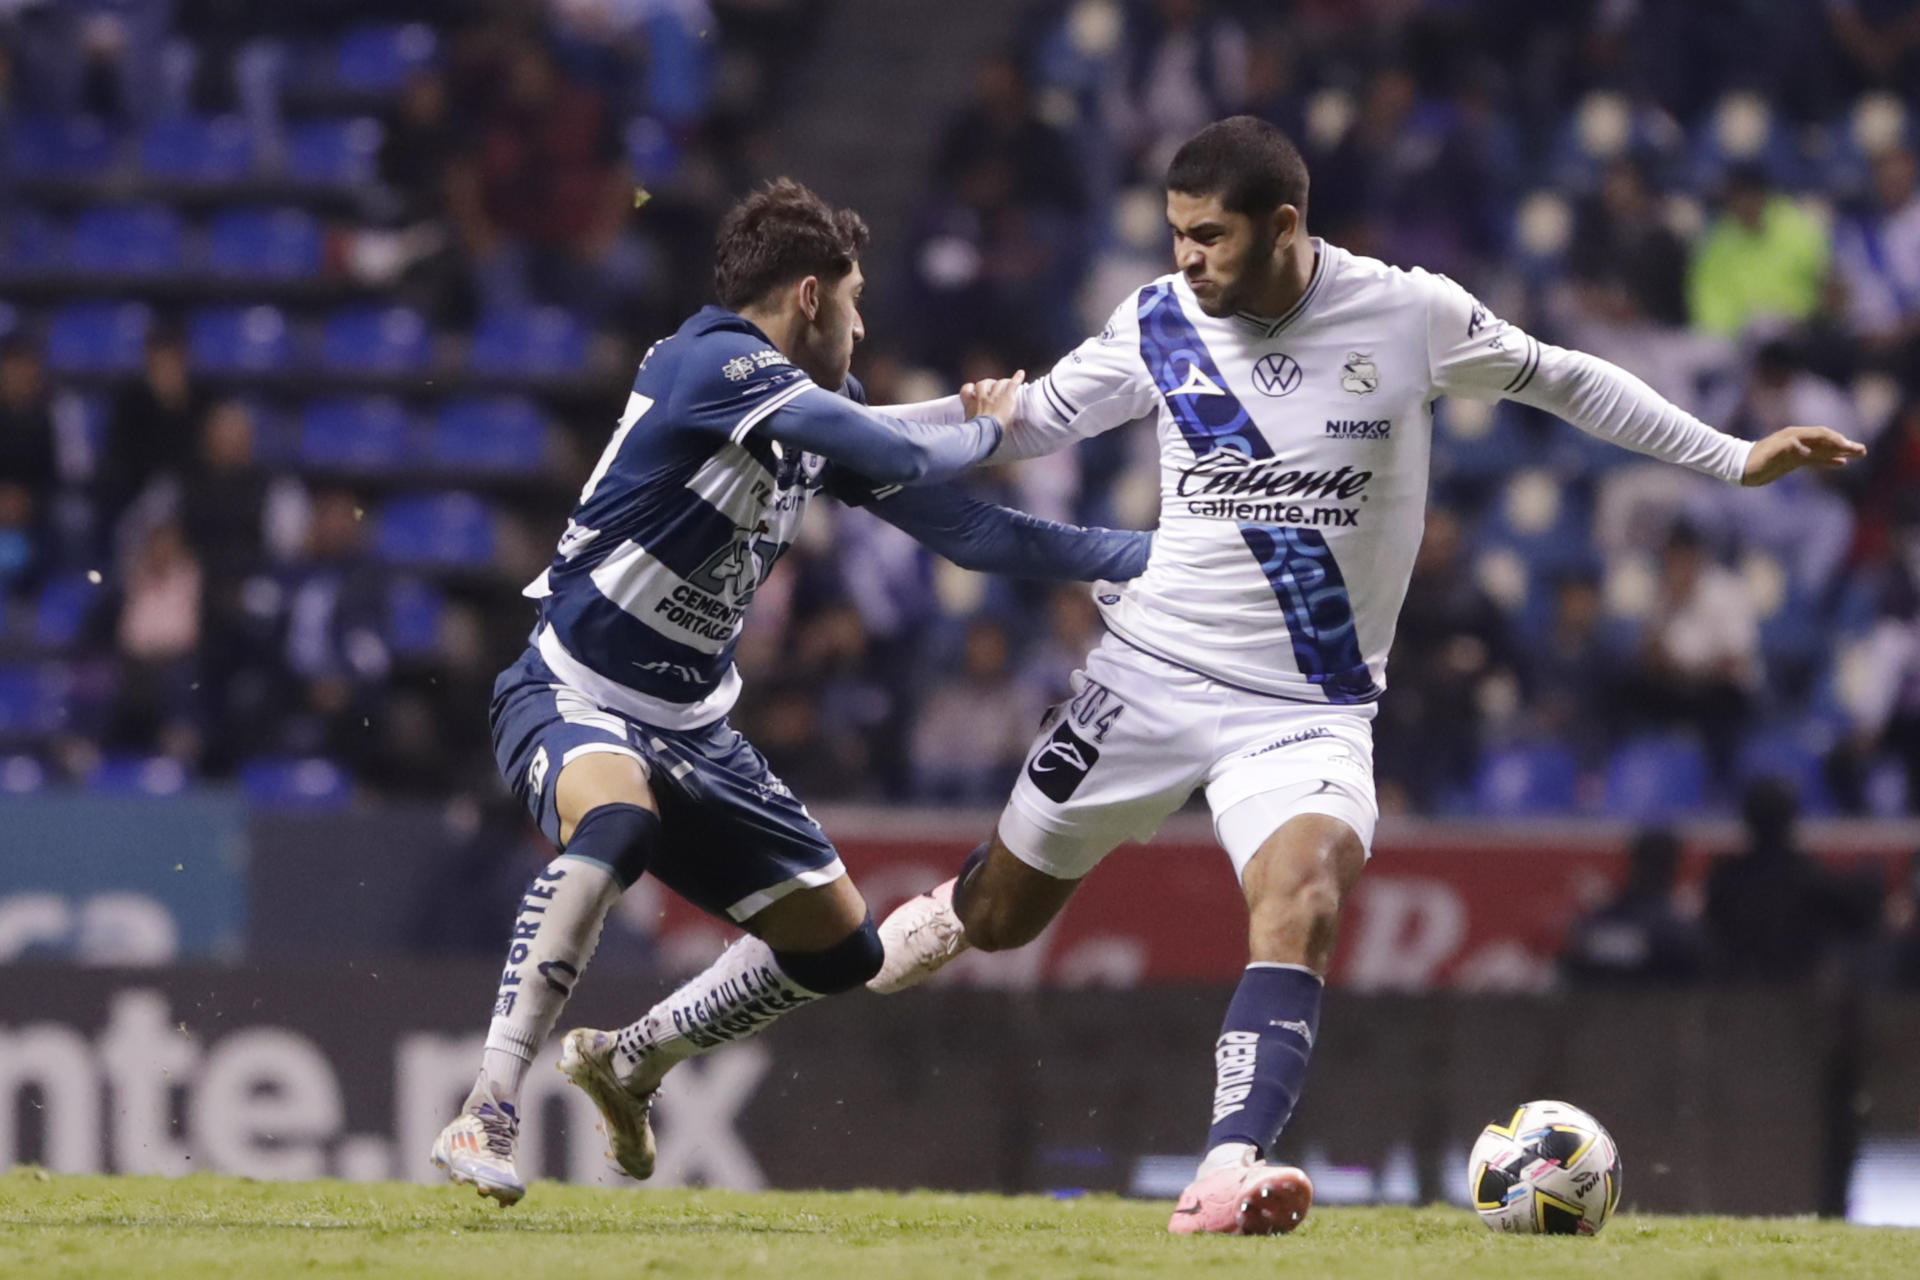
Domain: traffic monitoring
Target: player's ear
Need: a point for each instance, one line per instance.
(1286, 224)
(810, 298)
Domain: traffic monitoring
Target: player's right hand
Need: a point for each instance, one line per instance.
(995, 397)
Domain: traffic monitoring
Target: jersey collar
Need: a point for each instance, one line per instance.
(1272, 327)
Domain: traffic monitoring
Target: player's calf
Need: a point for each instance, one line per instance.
(1294, 884)
(738, 996)
(1001, 902)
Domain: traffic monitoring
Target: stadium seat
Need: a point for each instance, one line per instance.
(30, 244)
(378, 59)
(540, 342)
(311, 783)
(1477, 442)
(503, 434)
(90, 411)
(239, 340)
(21, 775)
(443, 530)
(1792, 753)
(97, 337)
(276, 436)
(333, 153)
(264, 244)
(1527, 780)
(197, 149)
(61, 613)
(1652, 779)
(651, 150)
(368, 433)
(126, 240)
(1543, 519)
(29, 702)
(62, 147)
(1743, 128)
(376, 340)
(138, 776)
(413, 617)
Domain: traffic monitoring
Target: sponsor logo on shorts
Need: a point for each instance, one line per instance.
(537, 771)
(1061, 763)
(1293, 739)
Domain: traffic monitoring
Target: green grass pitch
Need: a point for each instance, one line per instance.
(206, 1228)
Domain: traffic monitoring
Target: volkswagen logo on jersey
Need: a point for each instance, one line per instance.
(1059, 766)
(1277, 374)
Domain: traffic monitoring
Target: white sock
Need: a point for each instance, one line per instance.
(1228, 1155)
(737, 996)
(553, 939)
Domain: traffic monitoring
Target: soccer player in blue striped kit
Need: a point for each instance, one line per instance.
(1291, 384)
(612, 727)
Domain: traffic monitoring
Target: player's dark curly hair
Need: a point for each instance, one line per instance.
(778, 235)
(1253, 167)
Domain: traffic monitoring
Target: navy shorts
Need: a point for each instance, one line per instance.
(734, 838)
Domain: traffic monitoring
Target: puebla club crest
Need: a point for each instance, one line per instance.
(1358, 374)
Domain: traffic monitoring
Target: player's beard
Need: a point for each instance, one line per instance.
(1254, 270)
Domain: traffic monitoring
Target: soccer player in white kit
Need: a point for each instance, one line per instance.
(1291, 383)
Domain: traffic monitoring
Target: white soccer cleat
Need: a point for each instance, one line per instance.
(586, 1058)
(918, 937)
(477, 1149)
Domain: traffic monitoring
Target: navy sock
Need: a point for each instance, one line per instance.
(1260, 1061)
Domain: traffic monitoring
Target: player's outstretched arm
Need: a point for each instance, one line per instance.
(1791, 448)
(1475, 353)
(886, 449)
(993, 539)
(1607, 401)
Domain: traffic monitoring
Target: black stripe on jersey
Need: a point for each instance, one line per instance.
(1313, 287)
(1059, 402)
(1527, 369)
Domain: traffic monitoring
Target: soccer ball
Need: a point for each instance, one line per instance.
(1549, 1170)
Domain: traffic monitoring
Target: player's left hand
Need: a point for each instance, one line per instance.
(1791, 448)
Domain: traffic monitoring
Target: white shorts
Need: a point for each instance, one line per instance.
(1140, 733)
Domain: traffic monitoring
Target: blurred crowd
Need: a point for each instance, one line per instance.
(1766, 913)
(1720, 197)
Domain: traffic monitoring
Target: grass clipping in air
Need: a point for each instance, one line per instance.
(206, 1227)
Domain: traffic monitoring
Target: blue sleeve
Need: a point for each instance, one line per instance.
(886, 450)
(992, 539)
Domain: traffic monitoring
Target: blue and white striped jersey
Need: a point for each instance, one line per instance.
(686, 511)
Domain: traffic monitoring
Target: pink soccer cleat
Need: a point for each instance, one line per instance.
(1245, 1200)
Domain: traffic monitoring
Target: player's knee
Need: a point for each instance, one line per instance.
(620, 837)
(1297, 927)
(1294, 910)
(843, 966)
